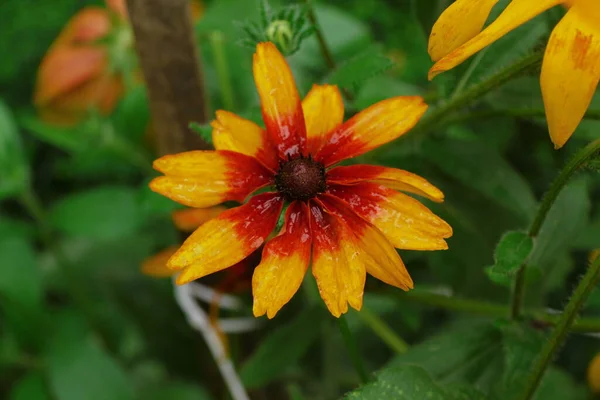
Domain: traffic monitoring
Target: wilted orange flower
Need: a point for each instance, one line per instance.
(346, 219)
(75, 73)
(571, 67)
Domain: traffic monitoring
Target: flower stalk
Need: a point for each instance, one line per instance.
(560, 332)
(578, 161)
(494, 310)
(350, 343)
(383, 330)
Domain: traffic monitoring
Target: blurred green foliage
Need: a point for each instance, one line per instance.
(79, 320)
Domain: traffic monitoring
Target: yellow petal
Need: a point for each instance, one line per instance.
(323, 109)
(458, 24)
(231, 132)
(516, 14)
(593, 374)
(227, 239)
(393, 178)
(570, 72)
(372, 127)
(338, 264)
(188, 219)
(284, 263)
(381, 259)
(406, 222)
(156, 265)
(206, 178)
(280, 101)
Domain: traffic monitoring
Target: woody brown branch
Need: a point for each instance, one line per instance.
(170, 63)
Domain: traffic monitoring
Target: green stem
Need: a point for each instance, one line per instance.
(352, 348)
(579, 160)
(312, 16)
(560, 332)
(226, 89)
(477, 91)
(493, 310)
(383, 330)
(513, 112)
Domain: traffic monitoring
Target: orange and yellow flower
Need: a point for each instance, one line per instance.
(75, 74)
(346, 219)
(571, 67)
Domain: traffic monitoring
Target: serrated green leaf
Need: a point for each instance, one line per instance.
(353, 73)
(105, 212)
(511, 252)
(400, 383)
(281, 349)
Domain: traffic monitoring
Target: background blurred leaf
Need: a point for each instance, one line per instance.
(105, 212)
(354, 72)
(21, 289)
(484, 170)
(14, 175)
(281, 349)
(78, 368)
(30, 387)
(178, 391)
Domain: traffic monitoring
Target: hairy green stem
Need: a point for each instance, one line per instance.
(478, 90)
(513, 112)
(352, 348)
(494, 310)
(383, 330)
(579, 160)
(560, 332)
(312, 16)
(226, 89)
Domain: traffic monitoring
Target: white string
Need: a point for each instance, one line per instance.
(198, 319)
(208, 295)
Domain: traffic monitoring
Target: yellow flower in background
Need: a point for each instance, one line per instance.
(571, 67)
(593, 374)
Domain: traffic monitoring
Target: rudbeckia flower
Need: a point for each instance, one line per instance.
(571, 66)
(343, 220)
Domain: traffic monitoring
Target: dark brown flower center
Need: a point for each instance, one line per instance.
(300, 178)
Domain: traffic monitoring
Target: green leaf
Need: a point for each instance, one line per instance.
(21, 289)
(132, 116)
(12, 227)
(511, 252)
(558, 385)
(484, 170)
(354, 72)
(400, 383)
(30, 387)
(177, 391)
(520, 347)
(567, 217)
(281, 349)
(14, 177)
(205, 131)
(465, 349)
(67, 139)
(106, 212)
(78, 368)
